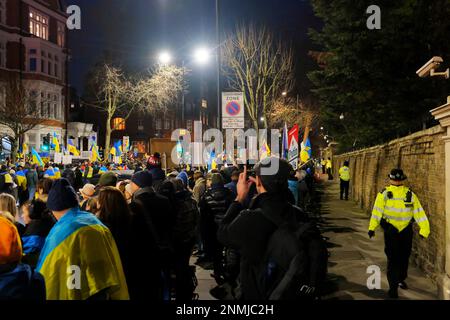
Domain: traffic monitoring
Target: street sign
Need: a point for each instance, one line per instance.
(233, 112)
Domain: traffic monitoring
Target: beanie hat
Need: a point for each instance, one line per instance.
(183, 177)
(274, 174)
(216, 178)
(108, 179)
(142, 179)
(10, 245)
(61, 196)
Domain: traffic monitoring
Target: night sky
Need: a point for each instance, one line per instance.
(136, 30)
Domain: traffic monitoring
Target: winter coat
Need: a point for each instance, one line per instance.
(293, 187)
(21, 282)
(33, 238)
(185, 227)
(199, 189)
(249, 231)
(215, 203)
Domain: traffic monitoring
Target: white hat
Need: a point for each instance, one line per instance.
(88, 190)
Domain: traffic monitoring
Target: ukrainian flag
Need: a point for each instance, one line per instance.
(265, 151)
(25, 149)
(50, 173)
(21, 179)
(72, 149)
(95, 154)
(36, 158)
(118, 147)
(80, 240)
(57, 173)
(306, 152)
(55, 143)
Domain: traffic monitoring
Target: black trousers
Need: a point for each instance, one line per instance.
(183, 284)
(323, 169)
(345, 185)
(330, 175)
(398, 250)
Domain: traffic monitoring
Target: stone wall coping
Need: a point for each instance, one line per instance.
(419, 134)
(442, 114)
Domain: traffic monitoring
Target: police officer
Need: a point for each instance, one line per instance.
(344, 175)
(396, 209)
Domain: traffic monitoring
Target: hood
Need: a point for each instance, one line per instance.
(13, 280)
(183, 177)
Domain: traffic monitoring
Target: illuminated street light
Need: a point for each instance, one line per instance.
(284, 94)
(165, 57)
(262, 119)
(321, 128)
(202, 55)
(342, 116)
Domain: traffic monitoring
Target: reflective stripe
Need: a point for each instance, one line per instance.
(397, 209)
(418, 210)
(375, 217)
(378, 209)
(422, 220)
(397, 218)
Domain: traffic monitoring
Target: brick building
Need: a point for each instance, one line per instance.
(33, 46)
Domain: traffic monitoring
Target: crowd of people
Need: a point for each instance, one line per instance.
(94, 232)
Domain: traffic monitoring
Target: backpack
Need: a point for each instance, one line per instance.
(295, 262)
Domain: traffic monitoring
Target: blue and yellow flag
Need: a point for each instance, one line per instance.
(118, 147)
(50, 173)
(95, 156)
(21, 179)
(36, 158)
(79, 245)
(265, 151)
(55, 143)
(72, 149)
(306, 152)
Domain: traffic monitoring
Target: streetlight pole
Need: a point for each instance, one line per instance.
(218, 64)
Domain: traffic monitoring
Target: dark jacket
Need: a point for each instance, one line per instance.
(249, 231)
(158, 210)
(20, 282)
(69, 174)
(158, 176)
(42, 221)
(215, 203)
(185, 226)
(32, 178)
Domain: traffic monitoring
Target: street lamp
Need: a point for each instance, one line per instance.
(164, 58)
(342, 117)
(202, 56)
(284, 93)
(321, 128)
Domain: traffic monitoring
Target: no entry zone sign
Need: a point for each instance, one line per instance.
(233, 113)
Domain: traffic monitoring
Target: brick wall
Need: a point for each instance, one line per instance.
(421, 156)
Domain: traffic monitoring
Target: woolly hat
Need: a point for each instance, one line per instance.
(61, 196)
(142, 179)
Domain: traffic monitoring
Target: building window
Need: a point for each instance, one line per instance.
(2, 11)
(38, 24)
(167, 124)
(49, 69)
(61, 34)
(119, 124)
(158, 124)
(33, 64)
(140, 125)
(49, 106)
(55, 106)
(2, 55)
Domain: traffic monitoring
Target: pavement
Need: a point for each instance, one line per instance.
(345, 225)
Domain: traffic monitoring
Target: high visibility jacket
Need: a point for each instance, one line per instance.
(323, 163)
(344, 173)
(399, 206)
(328, 164)
(90, 173)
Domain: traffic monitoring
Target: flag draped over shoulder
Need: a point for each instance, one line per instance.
(80, 245)
(36, 158)
(95, 154)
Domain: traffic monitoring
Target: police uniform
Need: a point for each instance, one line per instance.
(344, 175)
(396, 209)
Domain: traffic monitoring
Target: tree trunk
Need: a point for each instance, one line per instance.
(14, 148)
(107, 139)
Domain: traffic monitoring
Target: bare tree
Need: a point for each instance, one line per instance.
(19, 111)
(118, 95)
(294, 111)
(259, 65)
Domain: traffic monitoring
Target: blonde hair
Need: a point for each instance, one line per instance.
(7, 216)
(8, 204)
